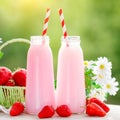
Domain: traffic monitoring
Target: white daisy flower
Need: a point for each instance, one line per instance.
(98, 93)
(103, 66)
(111, 86)
(88, 64)
(101, 78)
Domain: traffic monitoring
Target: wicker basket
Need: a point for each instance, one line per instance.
(9, 95)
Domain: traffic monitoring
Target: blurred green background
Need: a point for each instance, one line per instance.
(97, 22)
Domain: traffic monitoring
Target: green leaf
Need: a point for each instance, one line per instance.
(97, 86)
(88, 71)
(88, 82)
(94, 85)
(106, 95)
(1, 54)
(87, 92)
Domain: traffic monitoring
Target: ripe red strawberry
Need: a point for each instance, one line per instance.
(46, 112)
(19, 77)
(95, 110)
(10, 83)
(87, 101)
(100, 103)
(63, 111)
(5, 75)
(16, 109)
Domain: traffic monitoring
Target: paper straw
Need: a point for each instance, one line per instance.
(46, 20)
(63, 23)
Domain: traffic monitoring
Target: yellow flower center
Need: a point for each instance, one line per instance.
(102, 66)
(86, 63)
(108, 86)
(95, 95)
(101, 76)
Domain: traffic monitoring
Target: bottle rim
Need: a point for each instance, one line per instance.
(67, 37)
(71, 39)
(39, 37)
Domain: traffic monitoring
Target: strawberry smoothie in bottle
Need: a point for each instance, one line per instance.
(40, 76)
(70, 75)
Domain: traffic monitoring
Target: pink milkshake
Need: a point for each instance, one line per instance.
(70, 75)
(40, 77)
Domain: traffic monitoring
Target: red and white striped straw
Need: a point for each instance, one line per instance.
(63, 23)
(46, 20)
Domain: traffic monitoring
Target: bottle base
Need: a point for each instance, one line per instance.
(31, 112)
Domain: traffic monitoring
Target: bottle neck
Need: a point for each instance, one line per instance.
(71, 41)
(39, 40)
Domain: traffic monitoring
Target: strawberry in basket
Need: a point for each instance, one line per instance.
(19, 76)
(5, 75)
(10, 83)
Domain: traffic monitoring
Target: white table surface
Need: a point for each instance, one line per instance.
(114, 114)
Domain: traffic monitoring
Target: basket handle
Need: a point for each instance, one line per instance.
(10, 42)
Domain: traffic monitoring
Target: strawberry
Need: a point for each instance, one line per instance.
(19, 77)
(87, 101)
(95, 110)
(63, 111)
(10, 83)
(5, 75)
(16, 109)
(46, 112)
(100, 103)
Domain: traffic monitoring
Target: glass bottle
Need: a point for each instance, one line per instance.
(40, 75)
(70, 75)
